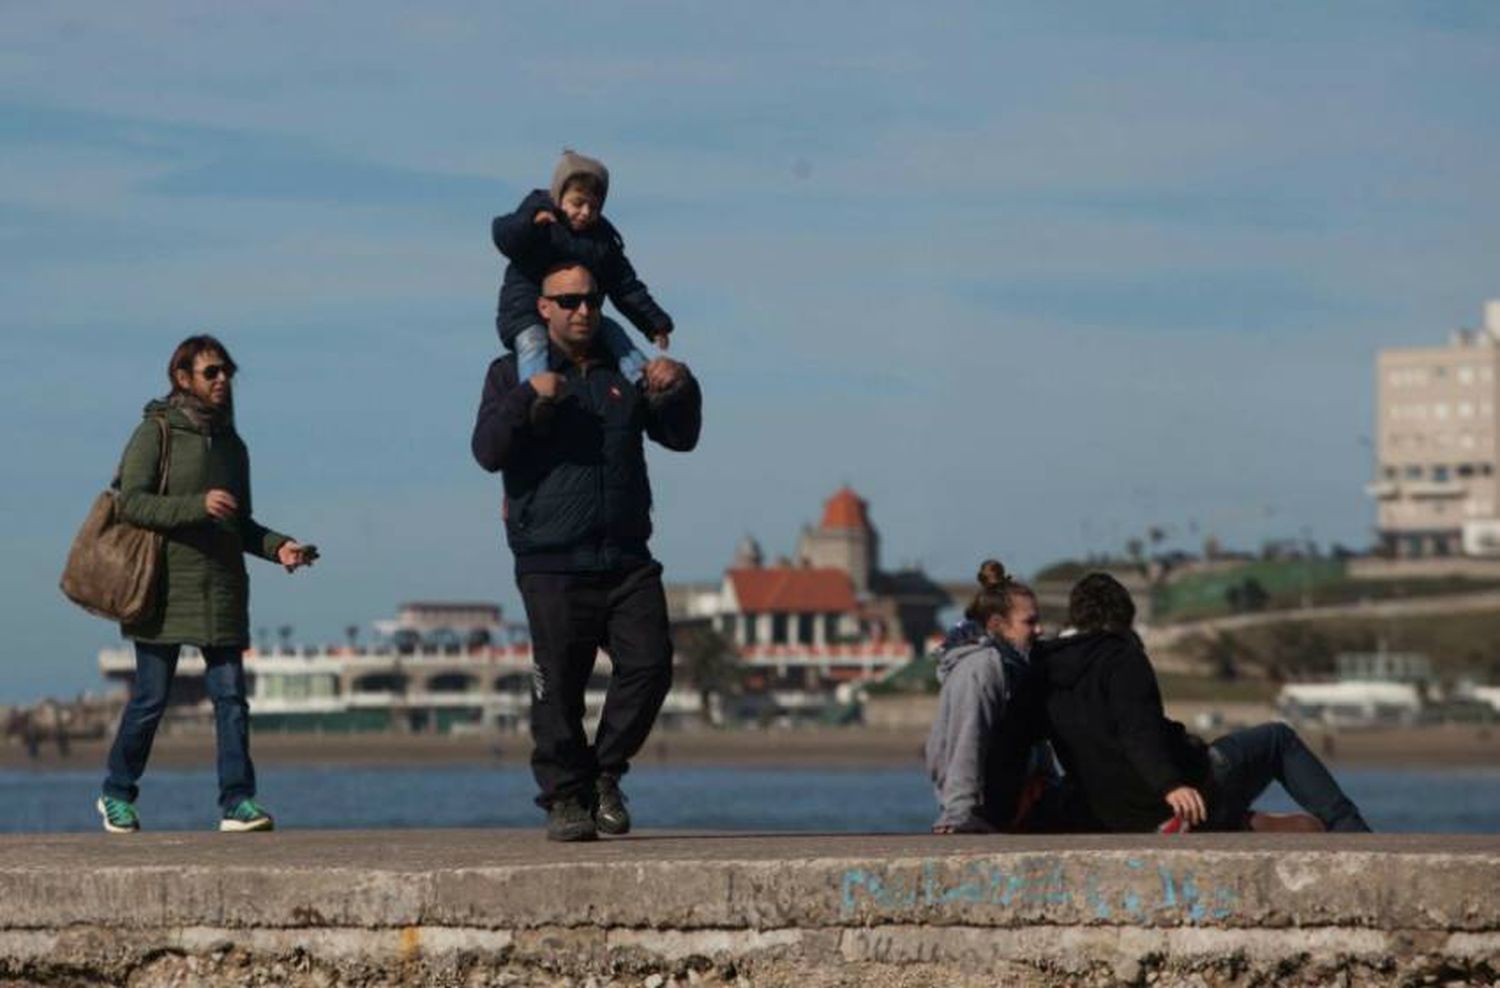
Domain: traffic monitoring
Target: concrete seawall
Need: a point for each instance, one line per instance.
(505, 907)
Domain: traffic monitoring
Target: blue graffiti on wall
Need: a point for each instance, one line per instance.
(933, 886)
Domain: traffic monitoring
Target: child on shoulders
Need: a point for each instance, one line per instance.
(566, 223)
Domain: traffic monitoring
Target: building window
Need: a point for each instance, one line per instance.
(1413, 471)
(1390, 473)
(1466, 469)
(831, 628)
(1440, 473)
(804, 629)
(752, 628)
(778, 628)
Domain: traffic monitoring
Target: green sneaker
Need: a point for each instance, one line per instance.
(119, 816)
(246, 816)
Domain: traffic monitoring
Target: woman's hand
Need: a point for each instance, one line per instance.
(1187, 803)
(291, 556)
(220, 504)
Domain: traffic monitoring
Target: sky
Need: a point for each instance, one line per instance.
(1031, 278)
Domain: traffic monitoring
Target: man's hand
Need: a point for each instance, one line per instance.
(220, 504)
(1187, 803)
(663, 374)
(543, 217)
(290, 555)
(546, 384)
(662, 340)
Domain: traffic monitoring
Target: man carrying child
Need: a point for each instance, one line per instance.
(578, 517)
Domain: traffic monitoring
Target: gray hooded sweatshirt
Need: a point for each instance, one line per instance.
(975, 691)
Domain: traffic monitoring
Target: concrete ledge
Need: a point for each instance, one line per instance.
(462, 907)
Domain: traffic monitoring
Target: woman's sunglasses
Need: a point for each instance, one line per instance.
(212, 372)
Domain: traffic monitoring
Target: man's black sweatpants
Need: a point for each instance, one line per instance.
(572, 616)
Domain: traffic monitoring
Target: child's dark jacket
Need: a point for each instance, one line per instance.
(533, 248)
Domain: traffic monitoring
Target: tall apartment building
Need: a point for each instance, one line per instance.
(1437, 486)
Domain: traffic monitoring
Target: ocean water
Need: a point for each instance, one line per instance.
(854, 800)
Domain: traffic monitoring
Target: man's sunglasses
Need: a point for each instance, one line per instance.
(572, 300)
(212, 372)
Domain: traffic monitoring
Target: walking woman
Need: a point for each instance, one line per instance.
(1139, 771)
(203, 593)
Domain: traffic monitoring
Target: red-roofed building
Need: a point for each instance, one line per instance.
(808, 631)
(785, 605)
(846, 509)
(844, 540)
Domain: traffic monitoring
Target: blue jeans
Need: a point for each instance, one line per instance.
(224, 680)
(1244, 763)
(531, 350)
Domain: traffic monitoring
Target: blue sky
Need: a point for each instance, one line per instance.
(1030, 278)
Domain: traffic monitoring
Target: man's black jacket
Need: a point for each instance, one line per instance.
(577, 498)
(532, 249)
(1105, 717)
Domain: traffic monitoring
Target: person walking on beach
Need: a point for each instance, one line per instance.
(981, 749)
(578, 518)
(203, 593)
(1139, 771)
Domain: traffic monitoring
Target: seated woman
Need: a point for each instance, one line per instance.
(1139, 771)
(980, 750)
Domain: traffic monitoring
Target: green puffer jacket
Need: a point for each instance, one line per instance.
(204, 594)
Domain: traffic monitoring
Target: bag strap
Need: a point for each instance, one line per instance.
(163, 462)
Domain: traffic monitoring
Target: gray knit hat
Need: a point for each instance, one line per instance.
(573, 165)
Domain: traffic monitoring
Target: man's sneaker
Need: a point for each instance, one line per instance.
(119, 816)
(570, 819)
(610, 814)
(246, 816)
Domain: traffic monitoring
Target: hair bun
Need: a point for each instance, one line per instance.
(992, 575)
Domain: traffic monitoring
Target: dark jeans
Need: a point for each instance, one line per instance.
(224, 679)
(1244, 763)
(572, 616)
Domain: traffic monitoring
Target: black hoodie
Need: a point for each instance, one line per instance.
(1107, 725)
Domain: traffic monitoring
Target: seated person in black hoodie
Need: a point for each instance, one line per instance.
(1139, 771)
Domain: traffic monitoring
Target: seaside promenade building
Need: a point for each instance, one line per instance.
(436, 667)
(803, 635)
(1437, 470)
(808, 630)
